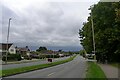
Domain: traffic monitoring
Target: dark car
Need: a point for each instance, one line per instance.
(49, 60)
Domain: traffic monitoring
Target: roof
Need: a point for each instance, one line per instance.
(22, 49)
(49, 52)
(3, 46)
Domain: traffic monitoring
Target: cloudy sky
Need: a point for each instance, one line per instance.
(44, 22)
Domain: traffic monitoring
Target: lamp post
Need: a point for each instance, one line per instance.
(8, 38)
(93, 33)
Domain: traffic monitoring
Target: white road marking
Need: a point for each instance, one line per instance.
(51, 74)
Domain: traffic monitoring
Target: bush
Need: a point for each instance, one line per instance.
(35, 56)
(12, 57)
(27, 57)
(42, 56)
(52, 56)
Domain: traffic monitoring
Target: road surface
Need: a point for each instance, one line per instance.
(72, 69)
(11, 66)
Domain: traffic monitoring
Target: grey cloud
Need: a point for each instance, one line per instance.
(49, 26)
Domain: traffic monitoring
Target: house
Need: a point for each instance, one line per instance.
(61, 55)
(23, 51)
(4, 47)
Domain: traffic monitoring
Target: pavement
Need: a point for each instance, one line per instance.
(73, 69)
(11, 66)
(110, 71)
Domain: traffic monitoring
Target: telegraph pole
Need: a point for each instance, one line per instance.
(93, 33)
(8, 39)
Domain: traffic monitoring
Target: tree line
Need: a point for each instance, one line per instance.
(106, 19)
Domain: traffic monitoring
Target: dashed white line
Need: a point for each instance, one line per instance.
(51, 74)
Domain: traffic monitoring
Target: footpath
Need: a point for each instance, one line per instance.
(110, 71)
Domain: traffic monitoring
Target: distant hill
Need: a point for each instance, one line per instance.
(56, 48)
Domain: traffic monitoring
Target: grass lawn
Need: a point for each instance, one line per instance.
(31, 68)
(94, 71)
(22, 61)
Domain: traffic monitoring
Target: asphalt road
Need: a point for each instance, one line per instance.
(11, 66)
(72, 69)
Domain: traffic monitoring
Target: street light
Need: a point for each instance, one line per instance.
(8, 38)
(93, 32)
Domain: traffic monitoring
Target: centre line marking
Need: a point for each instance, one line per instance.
(50, 74)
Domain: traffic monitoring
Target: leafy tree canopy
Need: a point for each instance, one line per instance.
(106, 19)
(41, 49)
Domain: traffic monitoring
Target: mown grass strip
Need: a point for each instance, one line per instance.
(94, 72)
(16, 62)
(9, 72)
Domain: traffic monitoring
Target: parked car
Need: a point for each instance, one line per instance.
(49, 60)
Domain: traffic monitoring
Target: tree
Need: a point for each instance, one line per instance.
(41, 49)
(60, 50)
(106, 18)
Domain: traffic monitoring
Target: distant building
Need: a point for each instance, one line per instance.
(4, 46)
(23, 51)
(61, 55)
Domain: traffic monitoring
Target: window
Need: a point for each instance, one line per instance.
(11, 50)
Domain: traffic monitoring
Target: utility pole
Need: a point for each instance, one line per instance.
(53, 55)
(8, 39)
(93, 33)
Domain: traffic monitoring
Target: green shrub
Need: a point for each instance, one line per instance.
(27, 57)
(12, 57)
(52, 56)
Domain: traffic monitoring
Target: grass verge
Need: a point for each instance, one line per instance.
(9, 72)
(19, 62)
(94, 71)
